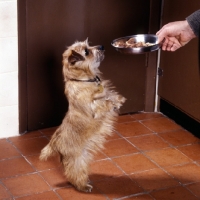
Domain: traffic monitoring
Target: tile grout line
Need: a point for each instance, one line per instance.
(171, 146)
(46, 136)
(134, 195)
(51, 188)
(124, 173)
(110, 158)
(185, 186)
(139, 151)
(28, 195)
(10, 194)
(36, 171)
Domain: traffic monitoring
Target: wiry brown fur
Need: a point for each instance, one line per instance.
(92, 112)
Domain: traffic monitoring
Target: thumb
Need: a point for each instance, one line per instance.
(160, 36)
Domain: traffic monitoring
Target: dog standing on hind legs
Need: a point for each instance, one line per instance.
(93, 109)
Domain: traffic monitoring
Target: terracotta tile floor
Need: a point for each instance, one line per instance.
(148, 157)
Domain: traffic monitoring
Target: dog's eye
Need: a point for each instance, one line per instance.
(86, 52)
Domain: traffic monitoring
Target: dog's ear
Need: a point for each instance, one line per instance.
(74, 57)
(86, 41)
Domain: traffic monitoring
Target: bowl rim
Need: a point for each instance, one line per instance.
(137, 50)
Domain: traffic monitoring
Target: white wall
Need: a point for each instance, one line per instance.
(9, 122)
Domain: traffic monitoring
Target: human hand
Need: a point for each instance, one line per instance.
(175, 35)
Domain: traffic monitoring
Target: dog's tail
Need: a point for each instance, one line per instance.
(46, 152)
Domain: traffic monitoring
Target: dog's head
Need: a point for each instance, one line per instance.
(81, 61)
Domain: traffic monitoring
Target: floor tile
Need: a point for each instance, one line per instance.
(30, 146)
(176, 193)
(114, 136)
(144, 116)
(192, 151)
(100, 156)
(52, 162)
(139, 197)
(49, 195)
(154, 179)
(148, 142)
(180, 137)
(167, 157)
(194, 188)
(132, 129)
(103, 169)
(55, 178)
(187, 173)
(71, 193)
(7, 150)
(118, 147)
(147, 153)
(26, 185)
(4, 194)
(125, 118)
(26, 136)
(198, 163)
(14, 166)
(49, 131)
(134, 163)
(161, 124)
(117, 187)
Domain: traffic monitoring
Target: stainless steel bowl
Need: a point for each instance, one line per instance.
(138, 38)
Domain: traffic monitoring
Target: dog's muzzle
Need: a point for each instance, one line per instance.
(100, 53)
(100, 47)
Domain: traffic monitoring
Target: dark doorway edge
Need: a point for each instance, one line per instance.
(180, 117)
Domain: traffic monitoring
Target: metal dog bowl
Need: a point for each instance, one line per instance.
(146, 38)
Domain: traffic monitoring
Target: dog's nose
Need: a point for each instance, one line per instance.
(100, 47)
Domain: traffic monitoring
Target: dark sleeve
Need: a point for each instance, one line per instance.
(194, 22)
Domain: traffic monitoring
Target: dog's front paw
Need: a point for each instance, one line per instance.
(121, 99)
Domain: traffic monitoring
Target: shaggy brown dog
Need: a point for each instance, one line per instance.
(93, 108)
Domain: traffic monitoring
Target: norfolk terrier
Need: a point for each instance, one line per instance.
(93, 110)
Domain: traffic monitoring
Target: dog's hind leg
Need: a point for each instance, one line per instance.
(76, 171)
(46, 152)
(51, 148)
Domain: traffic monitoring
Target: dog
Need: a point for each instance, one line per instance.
(93, 110)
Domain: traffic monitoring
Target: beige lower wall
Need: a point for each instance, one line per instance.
(9, 120)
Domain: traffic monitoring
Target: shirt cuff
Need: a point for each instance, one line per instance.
(194, 22)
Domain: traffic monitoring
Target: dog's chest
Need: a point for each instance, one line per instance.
(100, 88)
